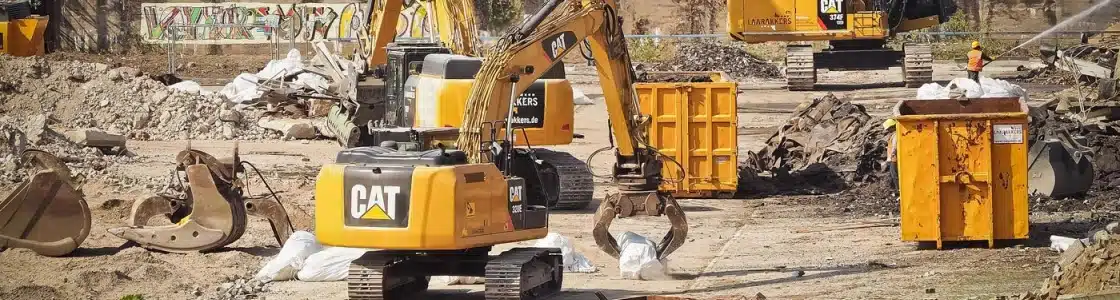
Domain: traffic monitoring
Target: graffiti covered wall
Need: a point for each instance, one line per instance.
(253, 23)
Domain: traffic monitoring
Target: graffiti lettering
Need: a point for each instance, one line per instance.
(248, 23)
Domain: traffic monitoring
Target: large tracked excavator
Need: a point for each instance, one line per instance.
(856, 31)
(439, 212)
(390, 104)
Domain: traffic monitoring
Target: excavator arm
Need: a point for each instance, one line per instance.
(523, 55)
(454, 20)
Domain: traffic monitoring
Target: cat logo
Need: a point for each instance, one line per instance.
(832, 6)
(515, 193)
(374, 203)
(556, 45)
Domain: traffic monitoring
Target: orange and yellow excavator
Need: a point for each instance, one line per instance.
(423, 85)
(856, 32)
(441, 211)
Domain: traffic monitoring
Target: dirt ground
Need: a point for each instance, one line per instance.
(735, 247)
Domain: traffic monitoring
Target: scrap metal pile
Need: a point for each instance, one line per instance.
(827, 145)
(712, 56)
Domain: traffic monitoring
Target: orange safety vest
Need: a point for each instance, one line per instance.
(975, 60)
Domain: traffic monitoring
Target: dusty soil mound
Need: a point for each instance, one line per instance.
(1092, 269)
(120, 100)
(710, 56)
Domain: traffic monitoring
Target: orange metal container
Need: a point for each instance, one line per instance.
(695, 123)
(962, 169)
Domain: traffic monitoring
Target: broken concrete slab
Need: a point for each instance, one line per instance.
(290, 128)
(319, 107)
(91, 137)
(1071, 253)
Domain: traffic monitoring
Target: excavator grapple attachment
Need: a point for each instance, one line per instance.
(640, 203)
(213, 214)
(46, 213)
(275, 214)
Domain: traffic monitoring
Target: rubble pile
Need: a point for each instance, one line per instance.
(120, 100)
(34, 133)
(1102, 137)
(829, 145)
(711, 56)
(1085, 267)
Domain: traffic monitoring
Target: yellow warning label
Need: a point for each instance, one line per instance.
(376, 213)
(470, 209)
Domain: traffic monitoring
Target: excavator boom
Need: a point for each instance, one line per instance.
(520, 57)
(454, 20)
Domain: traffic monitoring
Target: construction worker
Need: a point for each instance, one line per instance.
(976, 58)
(892, 153)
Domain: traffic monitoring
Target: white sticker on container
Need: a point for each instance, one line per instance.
(722, 159)
(1007, 134)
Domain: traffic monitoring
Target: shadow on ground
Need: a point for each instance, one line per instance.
(794, 275)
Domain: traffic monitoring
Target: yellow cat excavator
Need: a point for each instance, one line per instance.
(424, 84)
(856, 31)
(439, 212)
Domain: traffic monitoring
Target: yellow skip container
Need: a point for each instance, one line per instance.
(962, 169)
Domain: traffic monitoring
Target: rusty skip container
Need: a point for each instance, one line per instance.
(962, 169)
(695, 124)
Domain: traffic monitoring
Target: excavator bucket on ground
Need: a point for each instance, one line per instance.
(212, 215)
(46, 213)
(1059, 166)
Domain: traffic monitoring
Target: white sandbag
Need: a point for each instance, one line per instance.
(579, 98)
(187, 86)
(288, 262)
(311, 81)
(242, 89)
(331, 264)
(986, 88)
(289, 65)
(638, 258)
(573, 261)
(459, 280)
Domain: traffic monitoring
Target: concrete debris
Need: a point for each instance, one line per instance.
(239, 289)
(1088, 269)
(83, 162)
(711, 56)
(118, 100)
(95, 138)
(290, 128)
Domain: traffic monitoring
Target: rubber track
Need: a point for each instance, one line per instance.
(801, 73)
(577, 186)
(917, 65)
(365, 280)
(505, 273)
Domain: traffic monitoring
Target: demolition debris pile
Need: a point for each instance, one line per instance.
(34, 133)
(711, 56)
(1085, 268)
(120, 100)
(829, 145)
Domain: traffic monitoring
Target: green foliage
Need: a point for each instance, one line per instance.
(133, 297)
(650, 50)
(498, 15)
